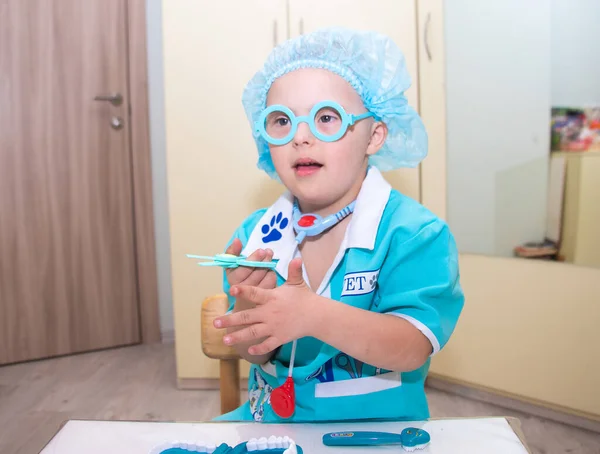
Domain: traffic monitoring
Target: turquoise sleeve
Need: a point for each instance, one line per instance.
(420, 282)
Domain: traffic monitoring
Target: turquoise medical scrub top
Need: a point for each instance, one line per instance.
(396, 258)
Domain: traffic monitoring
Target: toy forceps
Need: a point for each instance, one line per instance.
(231, 261)
(345, 362)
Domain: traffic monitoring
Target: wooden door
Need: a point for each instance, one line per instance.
(397, 19)
(67, 258)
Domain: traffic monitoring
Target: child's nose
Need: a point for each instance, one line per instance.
(303, 135)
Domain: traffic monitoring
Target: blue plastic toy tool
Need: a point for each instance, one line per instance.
(410, 439)
(312, 224)
(271, 445)
(231, 261)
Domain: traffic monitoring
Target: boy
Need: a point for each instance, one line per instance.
(354, 310)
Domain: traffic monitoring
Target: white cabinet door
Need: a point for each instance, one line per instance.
(397, 19)
(210, 53)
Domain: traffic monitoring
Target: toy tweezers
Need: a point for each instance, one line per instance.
(231, 261)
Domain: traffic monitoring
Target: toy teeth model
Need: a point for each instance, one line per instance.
(272, 445)
(410, 439)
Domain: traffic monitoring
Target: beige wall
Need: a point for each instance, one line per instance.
(529, 329)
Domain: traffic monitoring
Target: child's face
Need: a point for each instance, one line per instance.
(321, 173)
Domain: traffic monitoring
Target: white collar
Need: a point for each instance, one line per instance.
(362, 228)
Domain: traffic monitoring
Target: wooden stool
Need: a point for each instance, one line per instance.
(213, 347)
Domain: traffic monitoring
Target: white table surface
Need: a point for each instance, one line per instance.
(464, 436)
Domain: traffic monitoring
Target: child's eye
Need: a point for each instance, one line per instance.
(279, 121)
(327, 118)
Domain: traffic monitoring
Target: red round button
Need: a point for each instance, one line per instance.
(307, 221)
(282, 399)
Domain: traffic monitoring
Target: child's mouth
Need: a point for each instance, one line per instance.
(304, 167)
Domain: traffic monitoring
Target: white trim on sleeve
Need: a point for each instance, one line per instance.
(421, 327)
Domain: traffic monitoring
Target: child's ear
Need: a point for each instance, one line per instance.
(379, 132)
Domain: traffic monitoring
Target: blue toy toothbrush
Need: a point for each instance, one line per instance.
(410, 439)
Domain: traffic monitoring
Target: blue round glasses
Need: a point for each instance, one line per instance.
(327, 120)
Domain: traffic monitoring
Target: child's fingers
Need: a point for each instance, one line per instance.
(267, 346)
(269, 281)
(258, 275)
(255, 277)
(241, 273)
(235, 248)
(251, 333)
(236, 319)
(295, 272)
(250, 293)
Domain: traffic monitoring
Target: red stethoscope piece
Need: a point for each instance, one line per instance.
(307, 220)
(283, 399)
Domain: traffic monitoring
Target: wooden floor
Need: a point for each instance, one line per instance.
(138, 383)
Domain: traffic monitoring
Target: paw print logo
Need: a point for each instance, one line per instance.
(271, 231)
(373, 281)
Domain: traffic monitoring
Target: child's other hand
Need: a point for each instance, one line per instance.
(281, 315)
(260, 277)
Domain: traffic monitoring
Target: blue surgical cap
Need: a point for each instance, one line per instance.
(372, 64)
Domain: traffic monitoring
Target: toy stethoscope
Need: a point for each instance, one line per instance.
(283, 398)
(311, 224)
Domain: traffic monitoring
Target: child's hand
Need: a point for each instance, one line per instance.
(260, 277)
(281, 315)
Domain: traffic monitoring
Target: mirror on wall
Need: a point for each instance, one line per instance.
(523, 128)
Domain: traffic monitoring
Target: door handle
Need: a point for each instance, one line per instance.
(116, 99)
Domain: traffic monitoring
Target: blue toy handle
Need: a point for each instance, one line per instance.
(360, 438)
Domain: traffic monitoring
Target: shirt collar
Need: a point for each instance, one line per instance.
(276, 232)
(370, 204)
(275, 229)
